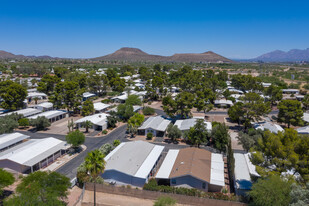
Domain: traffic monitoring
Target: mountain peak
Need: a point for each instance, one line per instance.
(293, 55)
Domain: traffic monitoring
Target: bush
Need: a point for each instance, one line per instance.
(75, 138)
(152, 185)
(148, 111)
(149, 136)
(116, 142)
(106, 101)
(165, 201)
(104, 131)
(23, 122)
(40, 123)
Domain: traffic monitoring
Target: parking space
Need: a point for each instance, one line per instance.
(60, 126)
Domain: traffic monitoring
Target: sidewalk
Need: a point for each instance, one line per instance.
(62, 160)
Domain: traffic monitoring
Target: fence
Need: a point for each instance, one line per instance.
(145, 194)
(80, 198)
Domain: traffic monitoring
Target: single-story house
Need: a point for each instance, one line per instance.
(265, 85)
(88, 95)
(52, 116)
(32, 95)
(303, 130)
(124, 96)
(223, 103)
(100, 107)
(33, 154)
(235, 91)
(156, 125)
(272, 127)
(290, 91)
(244, 170)
(44, 106)
(193, 168)
(132, 163)
(185, 124)
(9, 140)
(99, 121)
(26, 112)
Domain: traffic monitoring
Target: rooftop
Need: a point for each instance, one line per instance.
(134, 158)
(7, 140)
(98, 106)
(49, 114)
(186, 124)
(33, 151)
(97, 119)
(45, 105)
(26, 112)
(272, 127)
(157, 123)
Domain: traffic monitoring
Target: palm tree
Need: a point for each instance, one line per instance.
(87, 124)
(36, 100)
(95, 165)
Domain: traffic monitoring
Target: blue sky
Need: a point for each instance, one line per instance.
(235, 29)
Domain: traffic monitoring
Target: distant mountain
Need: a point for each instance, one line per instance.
(294, 55)
(135, 55)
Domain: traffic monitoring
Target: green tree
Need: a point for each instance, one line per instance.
(95, 165)
(249, 140)
(182, 104)
(40, 123)
(148, 111)
(306, 102)
(271, 191)
(173, 132)
(23, 122)
(8, 124)
(275, 93)
(116, 142)
(134, 122)
(125, 111)
(134, 100)
(220, 136)
(290, 112)
(98, 84)
(106, 149)
(87, 124)
(12, 94)
(198, 134)
(165, 201)
(112, 120)
(236, 112)
(299, 195)
(48, 83)
(88, 108)
(117, 84)
(75, 138)
(6, 179)
(41, 188)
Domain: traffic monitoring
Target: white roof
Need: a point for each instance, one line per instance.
(97, 119)
(167, 165)
(33, 151)
(186, 124)
(217, 170)
(223, 101)
(135, 158)
(49, 114)
(7, 140)
(157, 123)
(303, 130)
(26, 112)
(88, 94)
(290, 90)
(98, 106)
(45, 105)
(272, 127)
(306, 117)
(235, 90)
(243, 171)
(36, 94)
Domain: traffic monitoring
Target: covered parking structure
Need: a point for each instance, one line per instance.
(10, 140)
(132, 163)
(25, 112)
(32, 155)
(52, 116)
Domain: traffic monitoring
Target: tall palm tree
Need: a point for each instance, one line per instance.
(87, 124)
(95, 165)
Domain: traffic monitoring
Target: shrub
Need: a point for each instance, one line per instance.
(148, 111)
(106, 101)
(149, 136)
(23, 122)
(40, 123)
(165, 201)
(104, 131)
(116, 142)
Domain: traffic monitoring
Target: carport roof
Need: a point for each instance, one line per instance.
(157, 123)
(7, 140)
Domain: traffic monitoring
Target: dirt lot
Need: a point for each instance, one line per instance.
(111, 199)
(60, 126)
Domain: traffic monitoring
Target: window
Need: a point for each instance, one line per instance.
(173, 181)
(204, 185)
